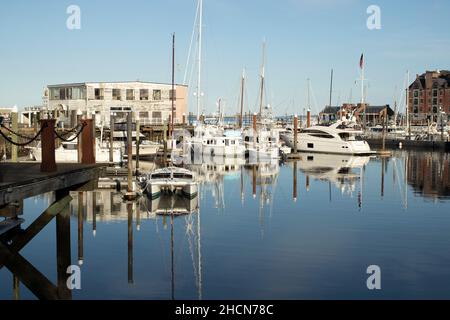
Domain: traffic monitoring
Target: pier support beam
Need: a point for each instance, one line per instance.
(48, 163)
(88, 142)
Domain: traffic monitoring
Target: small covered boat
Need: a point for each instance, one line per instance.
(171, 180)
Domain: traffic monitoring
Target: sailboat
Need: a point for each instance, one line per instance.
(262, 141)
(210, 139)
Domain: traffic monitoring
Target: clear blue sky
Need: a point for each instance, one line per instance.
(129, 40)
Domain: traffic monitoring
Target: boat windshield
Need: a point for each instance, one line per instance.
(177, 175)
(161, 176)
(345, 136)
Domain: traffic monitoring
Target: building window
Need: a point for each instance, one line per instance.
(130, 94)
(143, 115)
(156, 115)
(435, 93)
(416, 93)
(416, 102)
(435, 109)
(143, 94)
(98, 93)
(435, 101)
(156, 94)
(116, 94)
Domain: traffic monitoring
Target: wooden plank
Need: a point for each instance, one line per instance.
(17, 189)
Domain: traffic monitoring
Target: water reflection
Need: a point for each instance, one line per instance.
(227, 223)
(429, 174)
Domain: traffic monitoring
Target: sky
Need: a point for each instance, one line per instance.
(131, 40)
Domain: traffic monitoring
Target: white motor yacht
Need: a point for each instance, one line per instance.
(340, 138)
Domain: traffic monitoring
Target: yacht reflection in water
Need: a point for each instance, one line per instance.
(344, 171)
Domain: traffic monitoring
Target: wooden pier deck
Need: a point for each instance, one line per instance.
(23, 180)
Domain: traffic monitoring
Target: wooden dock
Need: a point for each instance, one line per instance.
(23, 180)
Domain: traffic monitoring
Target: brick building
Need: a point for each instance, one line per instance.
(429, 97)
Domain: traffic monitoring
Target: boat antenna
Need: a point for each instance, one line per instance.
(199, 75)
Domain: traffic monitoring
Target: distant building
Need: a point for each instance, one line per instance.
(150, 101)
(374, 114)
(429, 97)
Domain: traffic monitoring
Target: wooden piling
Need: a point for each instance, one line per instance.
(138, 141)
(308, 118)
(15, 128)
(48, 163)
(88, 142)
(111, 138)
(130, 151)
(79, 142)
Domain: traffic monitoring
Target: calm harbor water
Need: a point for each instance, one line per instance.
(300, 230)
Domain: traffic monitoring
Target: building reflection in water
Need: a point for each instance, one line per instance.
(429, 173)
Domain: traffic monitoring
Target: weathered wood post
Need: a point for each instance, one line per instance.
(138, 141)
(130, 151)
(295, 133)
(80, 151)
(88, 142)
(15, 128)
(111, 137)
(308, 118)
(48, 163)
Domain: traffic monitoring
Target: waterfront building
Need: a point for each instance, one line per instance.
(374, 115)
(429, 97)
(151, 102)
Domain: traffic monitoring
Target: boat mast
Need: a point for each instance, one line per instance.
(241, 122)
(309, 93)
(262, 78)
(331, 86)
(407, 104)
(199, 91)
(173, 91)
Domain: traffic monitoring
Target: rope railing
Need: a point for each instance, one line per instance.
(62, 137)
(78, 129)
(32, 139)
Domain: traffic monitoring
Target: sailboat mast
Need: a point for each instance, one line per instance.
(309, 95)
(173, 88)
(407, 104)
(331, 86)
(262, 78)
(241, 122)
(199, 62)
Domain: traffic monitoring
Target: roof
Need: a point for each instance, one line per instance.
(442, 79)
(378, 109)
(77, 84)
(331, 110)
